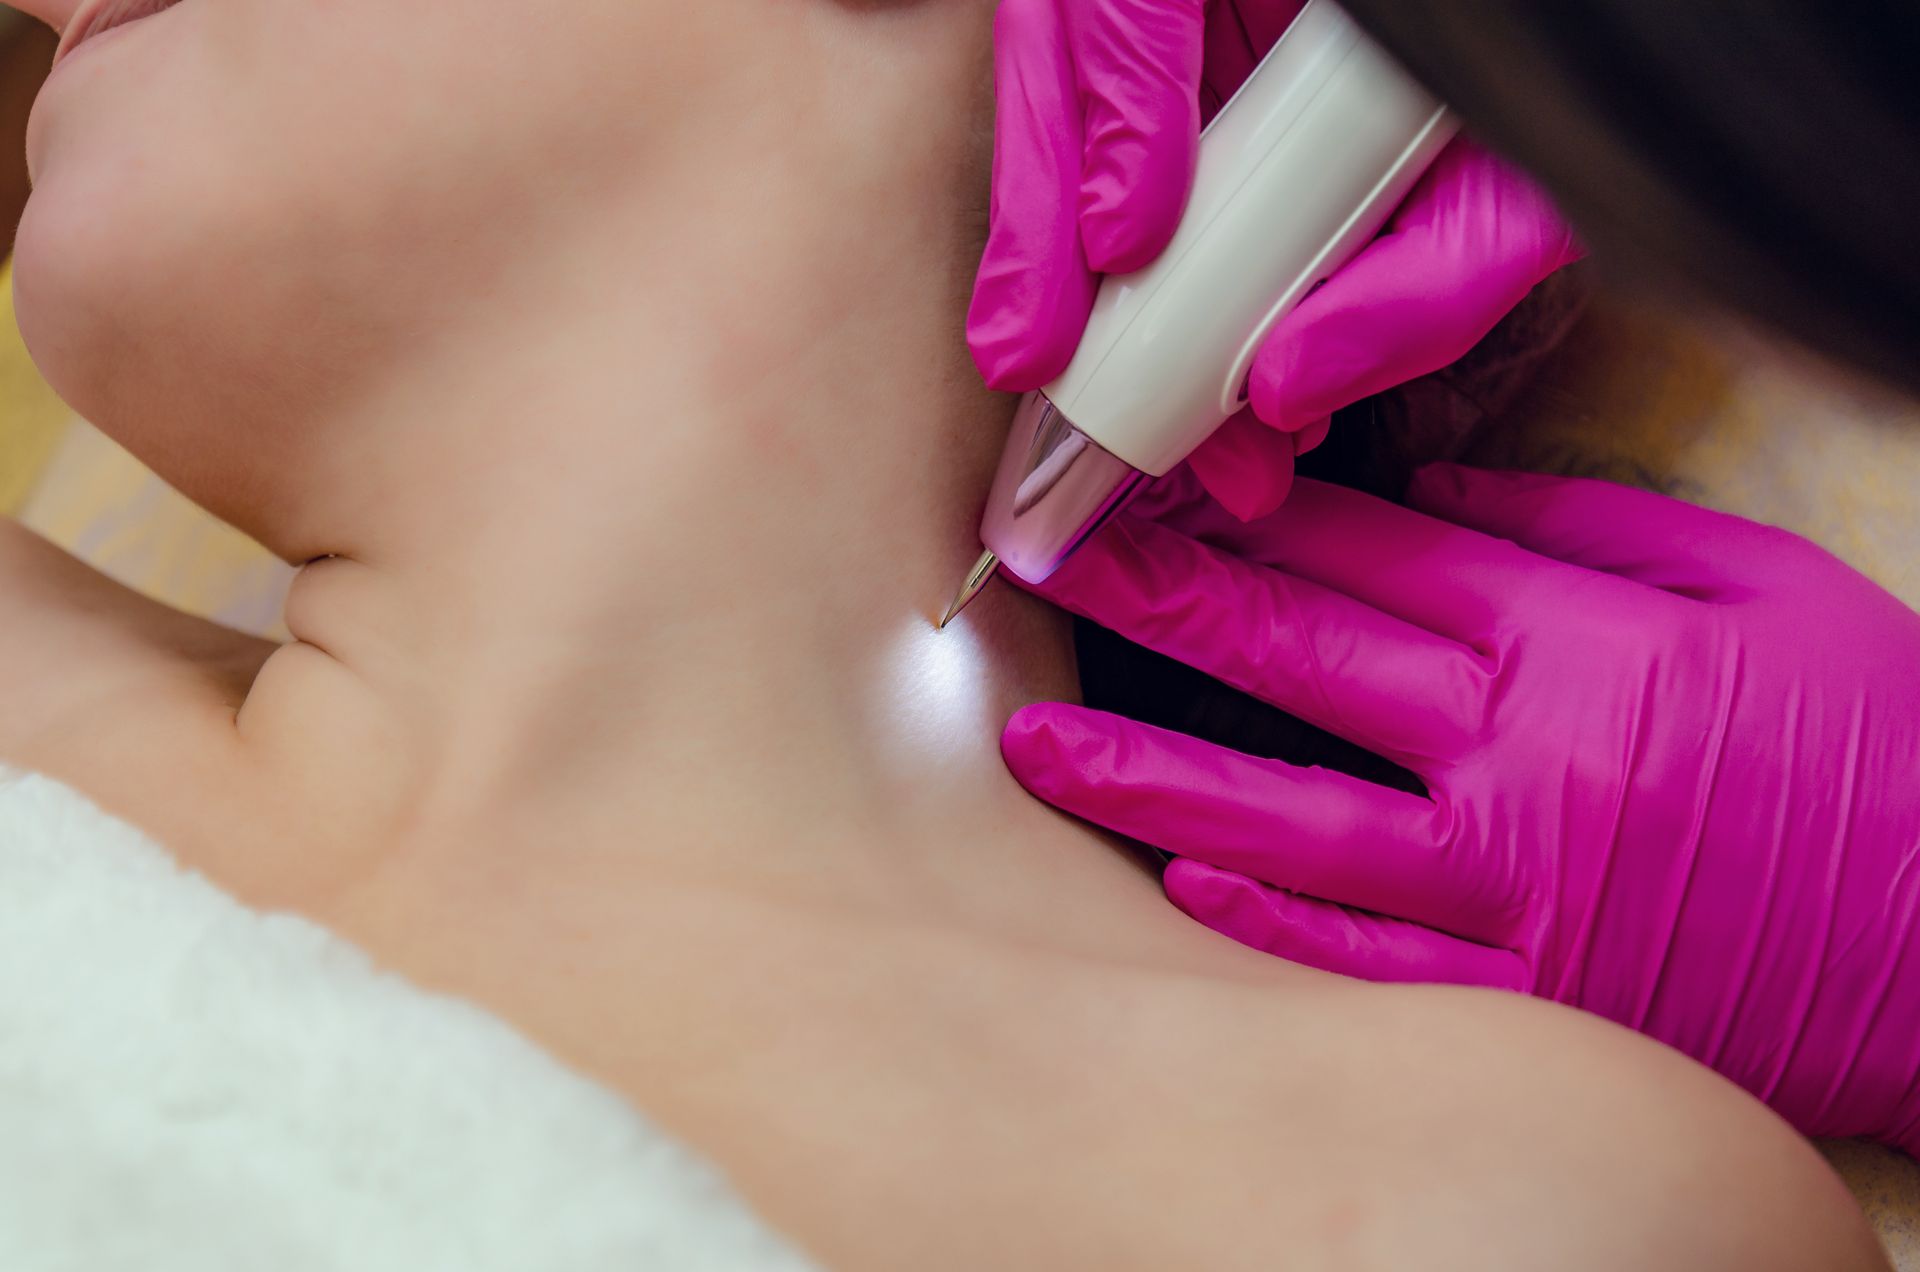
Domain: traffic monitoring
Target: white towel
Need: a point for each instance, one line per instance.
(188, 1084)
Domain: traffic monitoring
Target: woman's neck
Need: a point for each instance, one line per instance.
(632, 563)
(661, 576)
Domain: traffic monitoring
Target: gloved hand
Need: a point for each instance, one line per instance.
(1673, 762)
(1100, 105)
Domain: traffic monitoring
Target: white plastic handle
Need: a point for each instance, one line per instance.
(1296, 174)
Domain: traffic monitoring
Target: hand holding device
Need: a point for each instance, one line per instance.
(1295, 175)
(1672, 756)
(1100, 105)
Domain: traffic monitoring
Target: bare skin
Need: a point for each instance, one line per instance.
(632, 456)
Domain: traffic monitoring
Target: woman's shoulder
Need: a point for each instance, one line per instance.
(159, 1035)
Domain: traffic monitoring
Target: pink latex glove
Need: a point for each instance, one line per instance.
(1673, 760)
(1100, 105)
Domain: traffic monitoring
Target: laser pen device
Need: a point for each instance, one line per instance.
(1296, 174)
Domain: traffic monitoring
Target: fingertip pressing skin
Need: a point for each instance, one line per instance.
(1039, 746)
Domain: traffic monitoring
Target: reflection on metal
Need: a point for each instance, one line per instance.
(977, 579)
(1056, 486)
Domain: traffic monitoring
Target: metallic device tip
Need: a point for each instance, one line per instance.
(977, 578)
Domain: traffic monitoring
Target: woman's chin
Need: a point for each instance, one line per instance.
(46, 307)
(72, 288)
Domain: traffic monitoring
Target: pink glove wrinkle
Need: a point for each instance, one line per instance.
(1100, 104)
(1094, 143)
(1671, 758)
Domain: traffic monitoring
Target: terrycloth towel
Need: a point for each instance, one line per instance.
(188, 1084)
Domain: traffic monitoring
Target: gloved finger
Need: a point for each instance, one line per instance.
(1665, 543)
(1034, 289)
(1139, 66)
(1396, 689)
(1307, 830)
(1473, 238)
(1431, 573)
(1248, 468)
(1317, 933)
(1245, 465)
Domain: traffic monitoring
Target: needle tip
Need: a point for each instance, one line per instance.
(977, 579)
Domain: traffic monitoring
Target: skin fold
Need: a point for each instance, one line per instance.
(607, 371)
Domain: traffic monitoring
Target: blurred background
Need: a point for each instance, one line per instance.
(1580, 381)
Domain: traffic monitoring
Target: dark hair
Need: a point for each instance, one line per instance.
(1761, 153)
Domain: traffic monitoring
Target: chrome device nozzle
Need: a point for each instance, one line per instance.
(1054, 488)
(977, 579)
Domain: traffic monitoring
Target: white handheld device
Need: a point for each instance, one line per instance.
(1296, 173)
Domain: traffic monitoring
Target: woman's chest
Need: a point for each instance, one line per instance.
(892, 1096)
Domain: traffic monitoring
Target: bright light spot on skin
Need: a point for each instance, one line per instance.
(935, 694)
